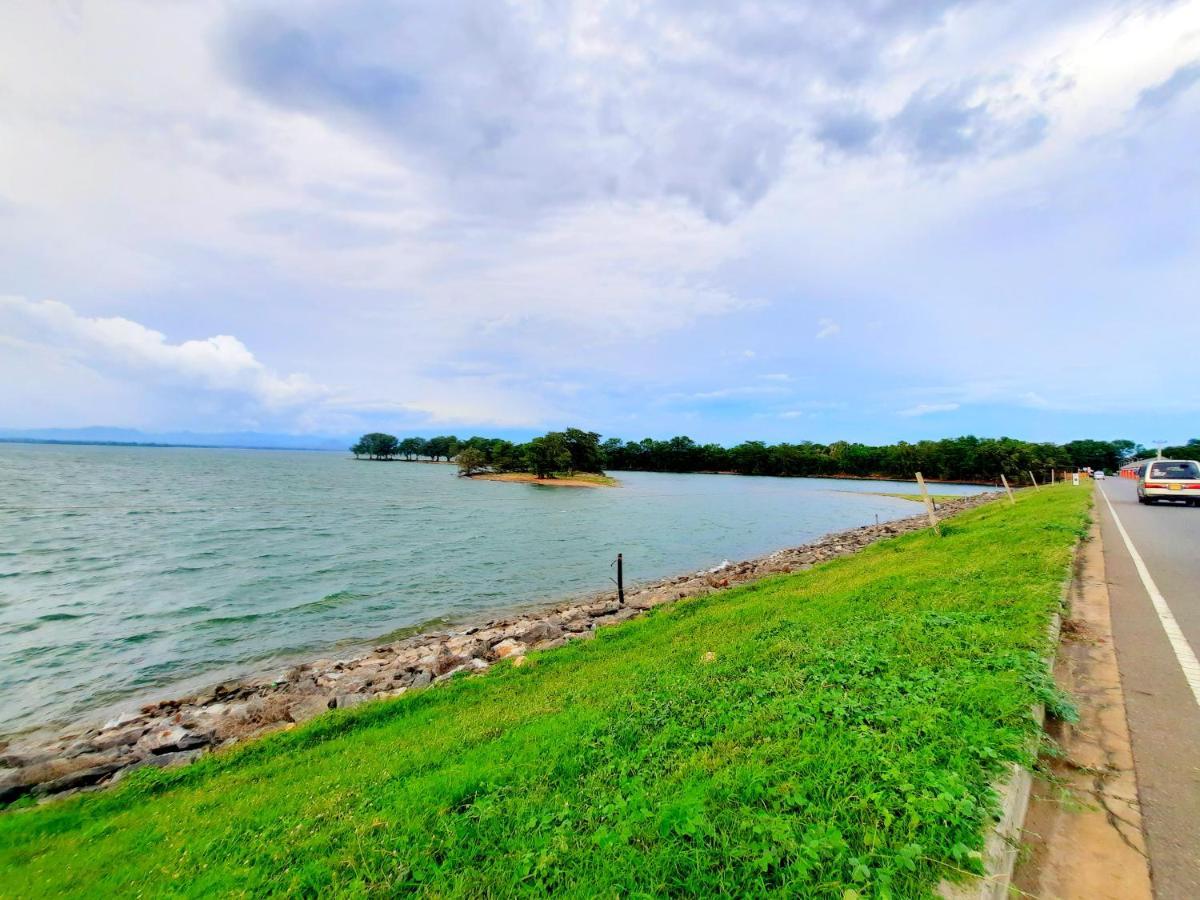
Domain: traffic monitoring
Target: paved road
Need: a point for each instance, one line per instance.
(1161, 702)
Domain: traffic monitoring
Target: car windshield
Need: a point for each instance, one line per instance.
(1170, 469)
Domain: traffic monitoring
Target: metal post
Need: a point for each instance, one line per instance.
(620, 580)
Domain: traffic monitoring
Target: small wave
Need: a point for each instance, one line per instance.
(329, 601)
(135, 639)
(217, 621)
(61, 617)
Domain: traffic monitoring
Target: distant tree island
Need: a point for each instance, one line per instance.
(573, 455)
(570, 453)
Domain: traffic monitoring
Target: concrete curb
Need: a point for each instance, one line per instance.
(1003, 840)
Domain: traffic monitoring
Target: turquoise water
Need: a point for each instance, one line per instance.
(128, 572)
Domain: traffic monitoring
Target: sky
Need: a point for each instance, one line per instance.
(778, 220)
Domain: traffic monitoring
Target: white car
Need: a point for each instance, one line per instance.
(1098, 475)
(1169, 479)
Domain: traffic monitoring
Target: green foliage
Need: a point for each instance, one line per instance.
(470, 460)
(953, 459)
(584, 449)
(1190, 450)
(832, 733)
(376, 445)
(546, 455)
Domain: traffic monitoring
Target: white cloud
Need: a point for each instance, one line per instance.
(220, 363)
(925, 409)
(828, 328)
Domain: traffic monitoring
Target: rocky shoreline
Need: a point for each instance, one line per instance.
(176, 732)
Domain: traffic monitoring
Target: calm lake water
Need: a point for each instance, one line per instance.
(127, 573)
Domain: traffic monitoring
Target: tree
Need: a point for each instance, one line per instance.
(412, 447)
(546, 455)
(470, 460)
(442, 445)
(377, 445)
(584, 450)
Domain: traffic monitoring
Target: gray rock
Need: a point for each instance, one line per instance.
(421, 679)
(80, 778)
(173, 739)
(307, 707)
(15, 759)
(170, 760)
(347, 701)
(14, 785)
(127, 718)
(126, 737)
(542, 631)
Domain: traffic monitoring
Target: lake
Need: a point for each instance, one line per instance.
(131, 573)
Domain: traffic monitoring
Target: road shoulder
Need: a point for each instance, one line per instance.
(1083, 833)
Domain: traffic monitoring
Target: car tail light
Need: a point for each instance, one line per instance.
(1154, 484)
(1192, 487)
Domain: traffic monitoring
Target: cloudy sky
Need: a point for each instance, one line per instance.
(870, 220)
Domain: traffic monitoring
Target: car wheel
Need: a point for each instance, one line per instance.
(1141, 500)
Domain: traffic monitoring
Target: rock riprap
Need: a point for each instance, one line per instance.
(175, 732)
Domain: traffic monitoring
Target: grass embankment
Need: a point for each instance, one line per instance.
(830, 733)
(573, 479)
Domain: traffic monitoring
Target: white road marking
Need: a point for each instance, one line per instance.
(1183, 650)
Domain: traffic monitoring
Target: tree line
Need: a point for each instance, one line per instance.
(568, 451)
(967, 458)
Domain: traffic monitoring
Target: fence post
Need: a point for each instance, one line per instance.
(933, 522)
(620, 579)
(1034, 480)
(1011, 499)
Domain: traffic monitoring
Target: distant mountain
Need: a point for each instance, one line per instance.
(243, 439)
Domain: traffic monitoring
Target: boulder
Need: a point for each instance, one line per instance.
(81, 778)
(306, 707)
(125, 737)
(347, 701)
(448, 662)
(421, 679)
(509, 647)
(542, 631)
(174, 738)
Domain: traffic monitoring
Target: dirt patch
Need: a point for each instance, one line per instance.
(526, 478)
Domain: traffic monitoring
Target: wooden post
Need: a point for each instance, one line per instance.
(1034, 480)
(1011, 499)
(933, 522)
(620, 579)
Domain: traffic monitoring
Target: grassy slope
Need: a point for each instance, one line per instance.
(841, 737)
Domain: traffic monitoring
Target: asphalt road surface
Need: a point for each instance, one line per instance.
(1156, 630)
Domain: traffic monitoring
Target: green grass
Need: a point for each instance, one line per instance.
(838, 742)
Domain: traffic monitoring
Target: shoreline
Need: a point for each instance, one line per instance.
(574, 481)
(173, 732)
